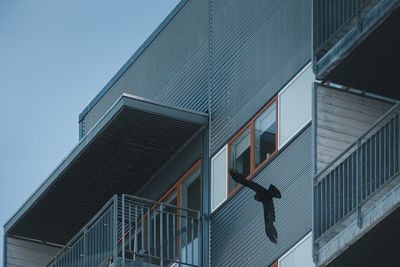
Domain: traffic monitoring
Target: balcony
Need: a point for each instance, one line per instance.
(132, 231)
(355, 43)
(357, 198)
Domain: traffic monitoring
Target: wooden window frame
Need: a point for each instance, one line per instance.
(251, 125)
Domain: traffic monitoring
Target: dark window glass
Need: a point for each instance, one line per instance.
(239, 156)
(265, 135)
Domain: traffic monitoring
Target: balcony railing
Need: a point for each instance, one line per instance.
(330, 16)
(357, 174)
(136, 230)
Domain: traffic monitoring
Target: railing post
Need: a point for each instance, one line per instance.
(123, 227)
(200, 237)
(85, 247)
(115, 232)
(161, 236)
(359, 184)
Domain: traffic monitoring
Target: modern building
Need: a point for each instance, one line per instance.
(356, 176)
(228, 84)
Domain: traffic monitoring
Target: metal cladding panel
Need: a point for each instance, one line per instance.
(237, 229)
(173, 69)
(256, 47)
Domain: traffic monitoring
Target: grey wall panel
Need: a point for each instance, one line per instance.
(24, 253)
(257, 47)
(237, 228)
(341, 117)
(172, 69)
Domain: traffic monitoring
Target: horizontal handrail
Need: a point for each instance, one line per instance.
(159, 203)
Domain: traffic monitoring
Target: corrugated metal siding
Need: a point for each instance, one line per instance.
(173, 69)
(237, 230)
(257, 47)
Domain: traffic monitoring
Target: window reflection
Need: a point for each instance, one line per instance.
(265, 135)
(239, 156)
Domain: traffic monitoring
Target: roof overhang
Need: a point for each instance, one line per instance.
(132, 142)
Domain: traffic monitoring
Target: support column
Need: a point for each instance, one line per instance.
(205, 177)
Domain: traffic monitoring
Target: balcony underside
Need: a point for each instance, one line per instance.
(367, 59)
(132, 143)
(380, 243)
(377, 246)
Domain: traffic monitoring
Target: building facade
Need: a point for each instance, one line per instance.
(219, 85)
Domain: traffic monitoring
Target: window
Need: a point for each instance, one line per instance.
(254, 144)
(299, 256)
(219, 176)
(295, 105)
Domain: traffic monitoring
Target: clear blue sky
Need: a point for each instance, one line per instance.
(55, 56)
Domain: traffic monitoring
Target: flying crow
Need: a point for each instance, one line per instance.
(265, 196)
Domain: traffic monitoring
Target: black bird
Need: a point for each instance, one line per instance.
(266, 198)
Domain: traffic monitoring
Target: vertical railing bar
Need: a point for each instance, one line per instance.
(143, 233)
(161, 236)
(148, 231)
(154, 246)
(200, 239)
(123, 227)
(391, 146)
(135, 243)
(186, 239)
(174, 236)
(192, 222)
(115, 227)
(398, 142)
(167, 230)
(130, 227)
(384, 154)
(180, 238)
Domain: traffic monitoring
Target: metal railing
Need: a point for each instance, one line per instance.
(160, 233)
(342, 187)
(330, 16)
(94, 244)
(134, 229)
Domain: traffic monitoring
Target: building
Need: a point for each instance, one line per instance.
(219, 84)
(356, 186)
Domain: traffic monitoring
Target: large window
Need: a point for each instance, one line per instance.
(219, 176)
(299, 256)
(254, 144)
(295, 105)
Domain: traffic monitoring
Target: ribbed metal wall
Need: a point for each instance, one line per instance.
(237, 229)
(173, 69)
(257, 46)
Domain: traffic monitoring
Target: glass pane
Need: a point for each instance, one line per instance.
(239, 156)
(218, 175)
(265, 135)
(295, 106)
(301, 256)
(193, 194)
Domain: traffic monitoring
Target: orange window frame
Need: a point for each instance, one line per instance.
(251, 125)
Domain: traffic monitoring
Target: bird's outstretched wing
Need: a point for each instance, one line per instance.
(239, 178)
(269, 218)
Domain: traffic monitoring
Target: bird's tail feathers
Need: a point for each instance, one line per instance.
(271, 231)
